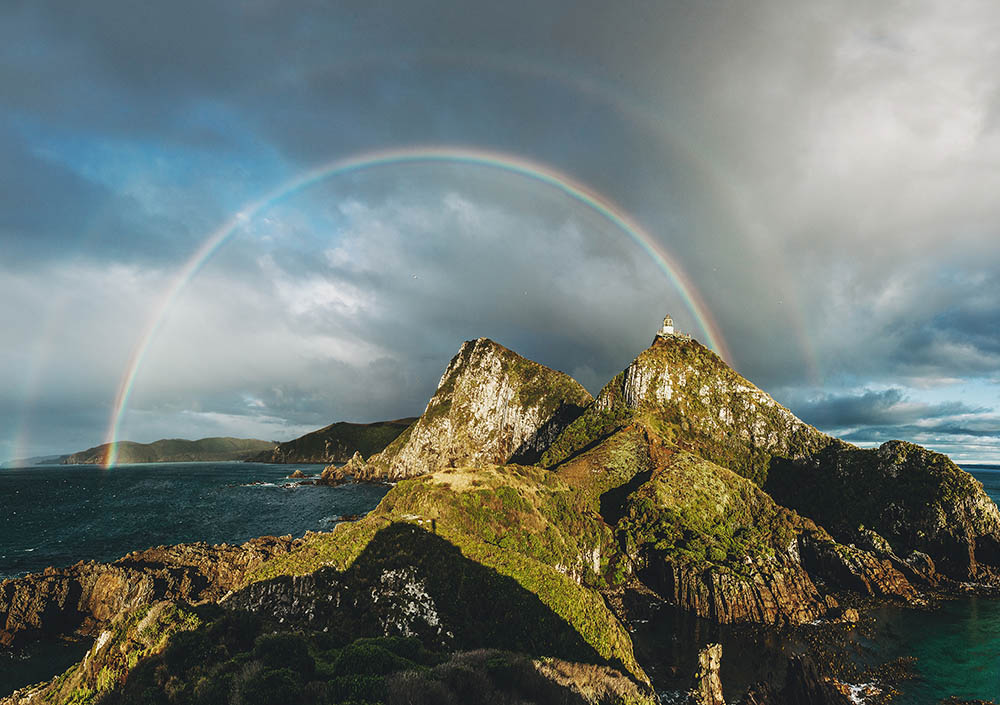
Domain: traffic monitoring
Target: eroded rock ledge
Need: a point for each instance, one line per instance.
(85, 596)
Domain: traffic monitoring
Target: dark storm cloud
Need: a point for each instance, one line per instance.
(987, 427)
(888, 407)
(825, 175)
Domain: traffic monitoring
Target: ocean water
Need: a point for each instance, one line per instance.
(57, 515)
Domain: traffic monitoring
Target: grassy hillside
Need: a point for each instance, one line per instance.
(336, 443)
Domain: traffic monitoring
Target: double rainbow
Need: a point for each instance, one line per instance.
(412, 155)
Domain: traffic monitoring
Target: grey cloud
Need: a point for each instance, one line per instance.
(825, 176)
(888, 407)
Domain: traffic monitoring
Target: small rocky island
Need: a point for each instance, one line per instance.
(529, 527)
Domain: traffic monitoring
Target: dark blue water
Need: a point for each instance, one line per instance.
(58, 515)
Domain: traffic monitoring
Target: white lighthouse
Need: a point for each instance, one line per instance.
(668, 327)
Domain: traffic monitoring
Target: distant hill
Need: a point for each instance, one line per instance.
(174, 450)
(36, 460)
(336, 443)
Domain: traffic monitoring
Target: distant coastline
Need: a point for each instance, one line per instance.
(173, 450)
(978, 466)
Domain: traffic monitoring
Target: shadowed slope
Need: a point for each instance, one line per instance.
(916, 499)
(522, 522)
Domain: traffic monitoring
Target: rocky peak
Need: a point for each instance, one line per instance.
(689, 394)
(491, 406)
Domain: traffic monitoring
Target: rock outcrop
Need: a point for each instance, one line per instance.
(339, 474)
(85, 596)
(336, 443)
(806, 685)
(852, 568)
(707, 686)
(491, 406)
(916, 499)
(715, 544)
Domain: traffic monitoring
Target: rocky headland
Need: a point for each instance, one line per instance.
(504, 564)
(335, 443)
(491, 406)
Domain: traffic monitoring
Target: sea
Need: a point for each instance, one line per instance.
(57, 515)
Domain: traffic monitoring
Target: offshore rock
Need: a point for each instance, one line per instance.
(916, 499)
(707, 688)
(804, 684)
(491, 406)
(85, 596)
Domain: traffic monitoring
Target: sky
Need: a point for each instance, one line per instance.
(821, 179)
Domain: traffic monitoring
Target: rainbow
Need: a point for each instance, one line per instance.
(411, 155)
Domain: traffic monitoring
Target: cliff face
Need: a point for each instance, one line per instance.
(174, 450)
(697, 534)
(85, 596)
(928, 511)
(690, 396)
(491, 406)
(336, 443)
(918, 500)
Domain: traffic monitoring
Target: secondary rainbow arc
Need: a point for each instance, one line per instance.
(411, 155)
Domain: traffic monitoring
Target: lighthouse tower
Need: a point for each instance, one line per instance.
(668, 327)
